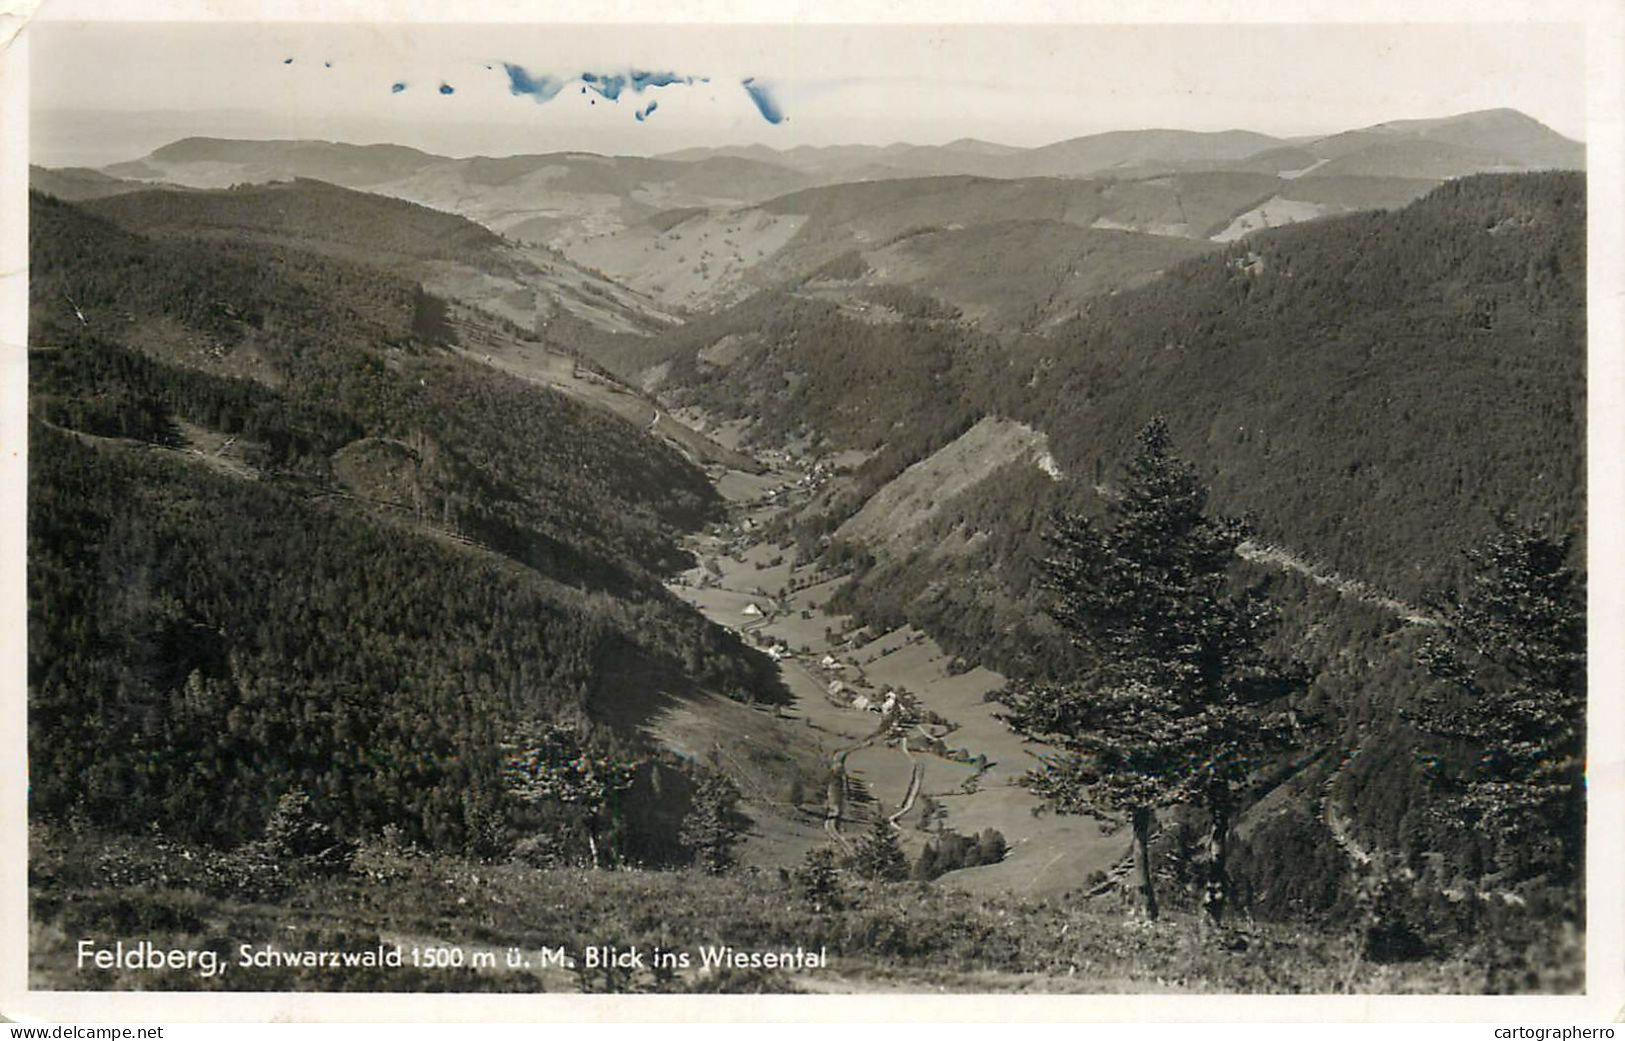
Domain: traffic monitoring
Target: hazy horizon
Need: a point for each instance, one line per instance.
(460, 90)
(164, 128)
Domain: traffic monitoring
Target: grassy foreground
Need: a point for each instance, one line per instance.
(500, 920)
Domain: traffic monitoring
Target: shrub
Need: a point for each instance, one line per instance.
(952, 851)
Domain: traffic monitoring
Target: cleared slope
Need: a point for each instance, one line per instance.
(920, 493)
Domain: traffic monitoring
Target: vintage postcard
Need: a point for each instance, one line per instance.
(629, 507)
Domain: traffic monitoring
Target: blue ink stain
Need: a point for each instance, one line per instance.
(541, 88)
(642, 79)
(644, 113)
(611, 85)
(763, 98)
(397, 88)
(608, 85)
(287, 61)
(446, 88)
(327, 65)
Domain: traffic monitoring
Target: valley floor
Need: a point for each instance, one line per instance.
(954, 759)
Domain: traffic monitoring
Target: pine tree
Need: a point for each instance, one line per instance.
(1511, 654)
(990, 846)
(1175, 701)
(925, 868)
(879, 855)
(714, 826)
(818, 881)
(295, 835)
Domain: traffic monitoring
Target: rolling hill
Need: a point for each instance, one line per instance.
(559, 200)
(74, 183)
(551, 199)
(204, 162)
(1502, 136)
(450, 255)
(715, 258)
(1087, 156)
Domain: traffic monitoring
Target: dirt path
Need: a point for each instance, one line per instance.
(843, 790)
(1284, 559)
(915, 777)
(1335, 823)
(835, 799)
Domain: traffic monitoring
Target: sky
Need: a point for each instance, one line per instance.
(104, 92)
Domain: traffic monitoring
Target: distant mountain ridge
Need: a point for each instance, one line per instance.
(1502, 132)
(702, 227)
(1502, 135)
(1502, 138)
(339, 162)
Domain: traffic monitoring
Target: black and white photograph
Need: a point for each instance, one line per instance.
(668, 506)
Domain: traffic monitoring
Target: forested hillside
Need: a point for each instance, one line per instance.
(282, 538)
(1373, 389)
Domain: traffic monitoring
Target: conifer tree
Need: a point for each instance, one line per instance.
(818, 881)
(879, 855)
(990, 846)
(1511, 654)
(295, 834)
(1176, 701)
